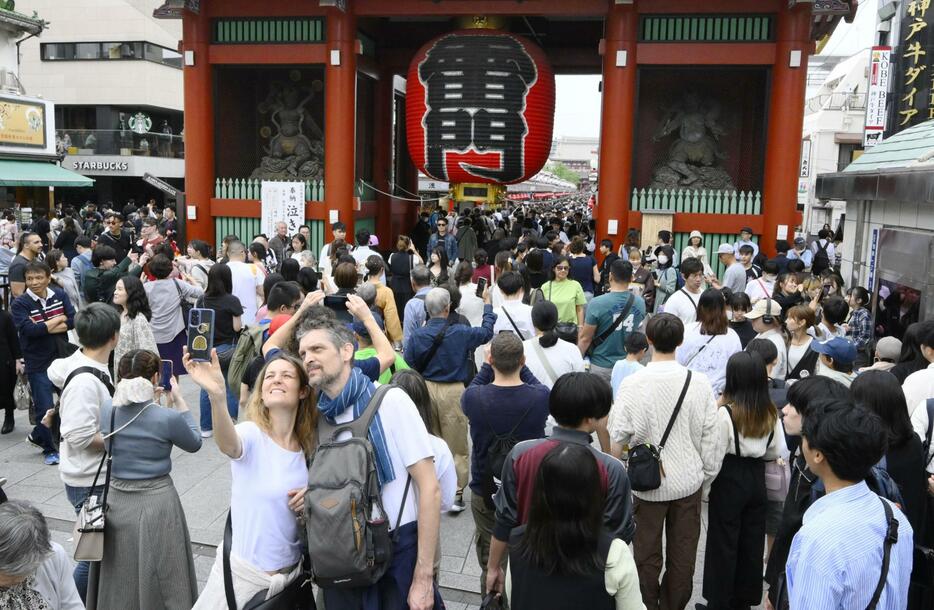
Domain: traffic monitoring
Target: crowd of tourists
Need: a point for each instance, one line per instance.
(591, 402)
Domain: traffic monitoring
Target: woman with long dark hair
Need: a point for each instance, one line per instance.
(438, 266)
(69, 233)
(147, 551)
(135, 332)
(563, 558)
(546, 355)
(912, 358)
(399, 272)
(801, 360)
(750, 435)
(227, 324)
(880, 392)
(709, 342)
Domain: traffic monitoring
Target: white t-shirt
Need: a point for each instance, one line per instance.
(761, 288)
(408, 442)
(564, 357)
(360, 254)
(795, 354)
(680, 304)
(521, 314)
(265, 530)
(779, 371)
(712, 359)
(245, 277)
(445, 471)
(471, 306)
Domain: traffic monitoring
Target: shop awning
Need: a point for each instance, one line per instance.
(39, 173)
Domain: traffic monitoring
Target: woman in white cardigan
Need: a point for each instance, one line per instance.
(696, 249)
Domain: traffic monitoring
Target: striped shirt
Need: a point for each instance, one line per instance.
(836, 557)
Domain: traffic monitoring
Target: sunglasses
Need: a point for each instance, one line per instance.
(562, 268)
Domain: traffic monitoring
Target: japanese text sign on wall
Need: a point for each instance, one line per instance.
(878, 95)
(912, 94)
(282, 201)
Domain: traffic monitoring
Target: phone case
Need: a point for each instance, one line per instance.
(200, 334)
(166, 373)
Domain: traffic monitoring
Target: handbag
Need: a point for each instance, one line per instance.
(22, 396)
(645, 460)
(297, 595)
(565, 330)
(89, 526)
(184, 303)
(777, 480)
(92, 518)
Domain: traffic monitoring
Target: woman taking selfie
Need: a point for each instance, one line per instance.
(147, 550)
(268, 471)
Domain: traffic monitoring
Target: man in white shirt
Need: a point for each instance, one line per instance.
(247, 280)
(643, 407)
(763, 287)
(683, 303)
(766, 320)
(919, 387)
(734, 276)
(402, 450)
(339, 231)
(514, 315)
(745, 239)
(85, 383)
(363, 251)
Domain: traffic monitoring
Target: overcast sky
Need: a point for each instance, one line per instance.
(577, 106)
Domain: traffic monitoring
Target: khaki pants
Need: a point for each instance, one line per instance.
(680, 520)
(484, 519)
(451, 424)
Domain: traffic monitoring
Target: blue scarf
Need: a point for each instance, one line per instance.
(357, 392)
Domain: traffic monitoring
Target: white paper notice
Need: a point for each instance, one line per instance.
(282, 201)
(612, 227)
(782, 232)
(333, 216)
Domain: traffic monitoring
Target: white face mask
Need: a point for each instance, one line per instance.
(822, 369)
(662, 259)
(729, 314)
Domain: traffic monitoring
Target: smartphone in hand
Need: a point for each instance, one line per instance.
(165, 377)
(481, 286)
(200, 334)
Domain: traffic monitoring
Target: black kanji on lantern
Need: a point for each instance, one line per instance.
(476, 96)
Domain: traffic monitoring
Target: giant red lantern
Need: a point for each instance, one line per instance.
(480, 107)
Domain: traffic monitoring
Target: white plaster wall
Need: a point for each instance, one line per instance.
(101, 82)
(8, 50)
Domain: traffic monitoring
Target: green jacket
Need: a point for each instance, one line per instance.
(99, 284)
(398, 365)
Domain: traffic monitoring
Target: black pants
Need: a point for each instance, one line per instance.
(7, 383)
(735, 535)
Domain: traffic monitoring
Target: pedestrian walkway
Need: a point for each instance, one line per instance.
(203, 483)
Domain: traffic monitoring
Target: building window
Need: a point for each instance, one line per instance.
(101, 51)
(847, 154)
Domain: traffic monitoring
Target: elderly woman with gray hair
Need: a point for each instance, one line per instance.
(35, 573)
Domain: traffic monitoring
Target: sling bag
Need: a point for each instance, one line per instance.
(697, 353)
(598, 341)
(688, 295)
(541, 356)
(435, 345)
(645, 461)
(511, 321)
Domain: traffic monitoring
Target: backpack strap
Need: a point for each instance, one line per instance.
(89, 369)
(511, 321)
(540, 351)
(674, 414)
(598, 341)
(891, 537)
(688, 295)
(930, 431)
(361, 425)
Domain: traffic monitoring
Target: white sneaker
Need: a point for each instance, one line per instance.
(207, 433)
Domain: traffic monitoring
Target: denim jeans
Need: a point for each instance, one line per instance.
(233, 400)
(41, 389)
(76, 497)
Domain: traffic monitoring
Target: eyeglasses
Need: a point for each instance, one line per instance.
(562, 268)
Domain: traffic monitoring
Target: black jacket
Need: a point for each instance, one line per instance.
(9, 341)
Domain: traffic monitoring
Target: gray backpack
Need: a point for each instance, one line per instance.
(348, 530)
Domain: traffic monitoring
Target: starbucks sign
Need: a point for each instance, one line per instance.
(140, 123)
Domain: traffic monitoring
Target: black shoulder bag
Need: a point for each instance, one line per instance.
(645, 461)
(184, 303)
(598, 341)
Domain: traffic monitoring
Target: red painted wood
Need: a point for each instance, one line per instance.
(697, 53)
(199, 129)
(250, 208)
(268, 54)
(340, 99)
(706, 223)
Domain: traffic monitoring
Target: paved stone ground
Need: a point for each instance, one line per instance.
(203, 483)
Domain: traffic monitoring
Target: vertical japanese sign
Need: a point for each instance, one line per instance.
(877, 96)
(282, 201)
(805, 159)
(912, 93)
